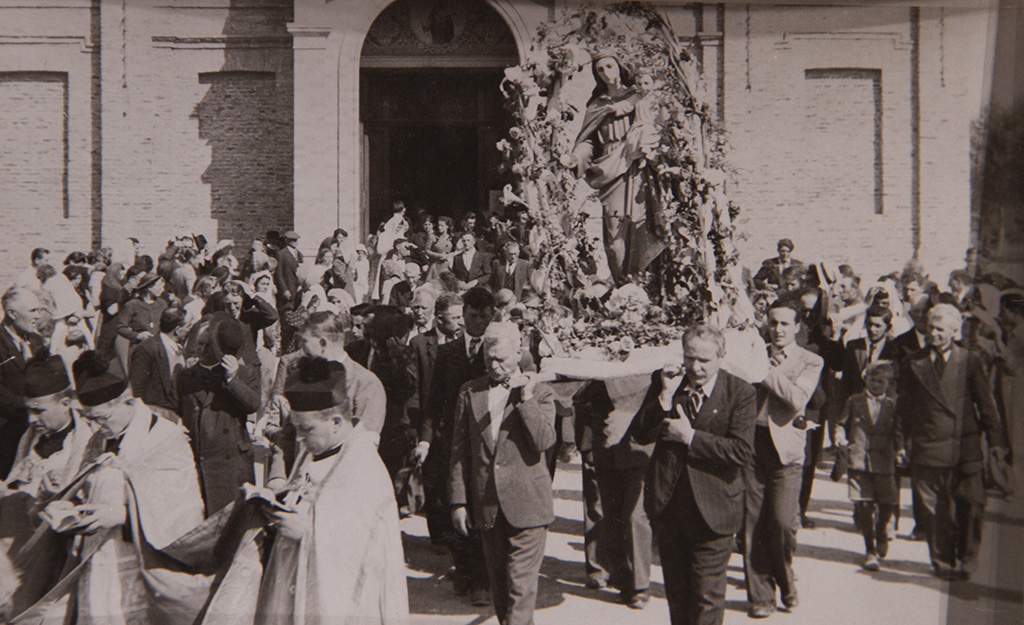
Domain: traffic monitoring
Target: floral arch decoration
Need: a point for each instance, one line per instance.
(695, 278)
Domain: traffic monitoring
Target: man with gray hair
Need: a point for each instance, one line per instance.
(499, 480)
(945, 405)
(19, 342)
(703, 421)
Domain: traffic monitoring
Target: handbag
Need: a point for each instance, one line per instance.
(409, 489)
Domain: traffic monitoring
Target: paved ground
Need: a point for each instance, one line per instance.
(833, 587)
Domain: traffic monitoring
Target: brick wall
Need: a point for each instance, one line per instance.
(197, 120)
(196, 135)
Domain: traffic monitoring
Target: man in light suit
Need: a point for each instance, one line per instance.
(773, 478)
(471, 267)
(500, 484)
(510, 271)
(703, 423)
(944, 406)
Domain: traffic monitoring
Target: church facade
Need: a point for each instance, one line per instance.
(850, 128)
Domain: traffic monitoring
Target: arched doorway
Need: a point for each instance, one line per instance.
(430, 107)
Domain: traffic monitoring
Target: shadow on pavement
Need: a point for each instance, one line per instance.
(563, 525)
(567, 494)
(433, 594)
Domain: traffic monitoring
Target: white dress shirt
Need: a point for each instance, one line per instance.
(497, 399)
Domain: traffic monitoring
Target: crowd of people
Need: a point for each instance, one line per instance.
(227, 435)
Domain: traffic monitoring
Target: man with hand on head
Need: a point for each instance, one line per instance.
(702, 419)
(499, 480)
(773, 478)
(217, 394)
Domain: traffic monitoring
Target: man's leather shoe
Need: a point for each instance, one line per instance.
(480, 597)
(596, 583)
(871, 562)
(636, 599)
(760, 611)
(807, 523)
(882, 545)
(791, 602)
(916, 535)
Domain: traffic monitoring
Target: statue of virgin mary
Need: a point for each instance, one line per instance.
(608, 156)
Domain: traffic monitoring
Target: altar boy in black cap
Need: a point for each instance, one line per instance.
(136, 492)
(51, 449)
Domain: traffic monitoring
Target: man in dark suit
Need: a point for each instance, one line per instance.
(773, 478)
(621, 554)
(912, 340)
(703, 423)
(510, 271)
(458, 361)
(19, 342)
(861, 352)
(216, 395)
(500, 484)
(769, 276)
(447, 328)
(285, 276)
(471, 266)
(917, 337)
(154, 364)
(944, 406)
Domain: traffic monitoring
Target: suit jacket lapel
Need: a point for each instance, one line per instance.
(478, 401)
(709, 409)
(926, 372)
(165, 366)
(510, 405)
(954, 377)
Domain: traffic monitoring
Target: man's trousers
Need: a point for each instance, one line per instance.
(771, 503)
(513, 559)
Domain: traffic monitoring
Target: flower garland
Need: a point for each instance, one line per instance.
(683, 168)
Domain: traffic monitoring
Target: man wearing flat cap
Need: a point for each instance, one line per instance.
(769, 276)
(338, 506)
(136, 492)
(216, 395)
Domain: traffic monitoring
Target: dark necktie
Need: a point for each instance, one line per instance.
(940, 363)
(494, 383)
(474, 347)
(692, 407)
(112, 445)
